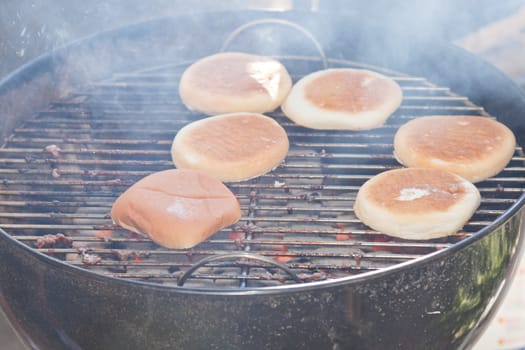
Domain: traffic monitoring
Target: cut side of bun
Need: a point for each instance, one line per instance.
(416, 203)
(473, 147)
(234, 82)
(342, 99)
(231, 147)
(176, 208)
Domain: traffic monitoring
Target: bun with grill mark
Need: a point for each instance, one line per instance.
(231, 82)
(231, 147)
(416, 203)
(342, 98)
(473, 147)
(176, 208)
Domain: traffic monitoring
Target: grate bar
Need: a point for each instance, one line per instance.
(94, 203)
(257, 241)
(350, 255)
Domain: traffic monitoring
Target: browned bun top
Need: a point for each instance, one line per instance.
(416, 203)
(235, 74)
(470, 146)
(231, 147)
(460, 138)
(176, 208)
(342, 99)
(231, 82)
(349, 90)
(417, 190)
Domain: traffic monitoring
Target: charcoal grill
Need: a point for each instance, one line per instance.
(298, 251)
(83, 151)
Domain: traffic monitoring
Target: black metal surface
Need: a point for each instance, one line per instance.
(442, 299)
(446, 297)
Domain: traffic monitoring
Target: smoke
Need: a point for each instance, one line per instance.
(31, 28)
(34, 27)
(447, 19)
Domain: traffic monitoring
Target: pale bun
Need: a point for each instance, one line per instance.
(176, 208)
(231, 147)
(234, 82)
(342, 98)
(475, 148)
(416, 203)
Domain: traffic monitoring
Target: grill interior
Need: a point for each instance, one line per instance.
(62, 170)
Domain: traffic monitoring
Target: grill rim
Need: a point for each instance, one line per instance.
(27, 71)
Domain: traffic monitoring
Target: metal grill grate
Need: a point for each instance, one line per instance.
(63, 169)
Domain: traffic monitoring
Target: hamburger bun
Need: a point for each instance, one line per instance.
(416, 203)
(475, 148)
(231, 147)
(343, 98)
(234, 82)
(176, 208)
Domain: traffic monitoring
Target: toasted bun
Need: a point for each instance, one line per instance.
(348, 99)
(416, 203)
(475, 148)
(231, 147)
(234, 82)
(176, 208)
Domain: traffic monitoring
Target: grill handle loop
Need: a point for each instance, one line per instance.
(239, 255)
(283, 22)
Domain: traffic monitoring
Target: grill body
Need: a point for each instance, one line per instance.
(436, 304)
(438, 301)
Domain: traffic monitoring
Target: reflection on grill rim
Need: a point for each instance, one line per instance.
(300, 214)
